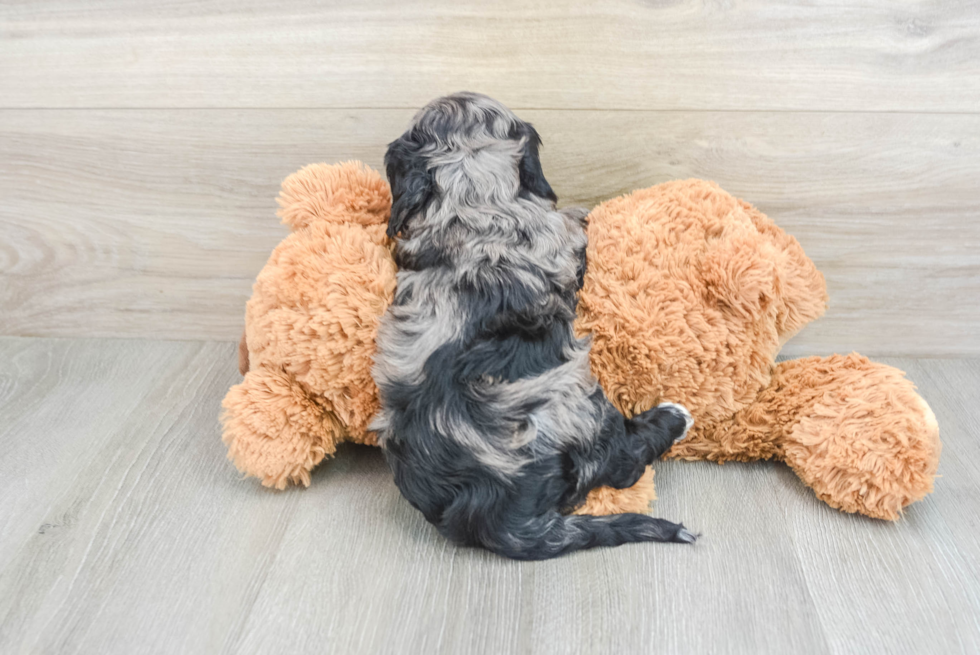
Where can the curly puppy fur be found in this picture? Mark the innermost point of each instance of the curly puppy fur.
(491, 420)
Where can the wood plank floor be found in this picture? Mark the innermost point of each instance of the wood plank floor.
(125, 530)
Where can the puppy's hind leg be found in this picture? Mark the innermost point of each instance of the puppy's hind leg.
(625, 447)
(662, 426)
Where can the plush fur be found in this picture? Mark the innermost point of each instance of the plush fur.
(688, 295)
(697, 309)
(311, 326)
(491, 420)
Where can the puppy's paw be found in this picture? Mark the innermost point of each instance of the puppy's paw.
(663, 426)
(682, 423)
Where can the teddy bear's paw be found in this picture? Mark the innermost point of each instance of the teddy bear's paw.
(680, 410)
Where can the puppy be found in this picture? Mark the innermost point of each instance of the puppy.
(491, 420)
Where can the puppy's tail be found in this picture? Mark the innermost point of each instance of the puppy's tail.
(553, 534)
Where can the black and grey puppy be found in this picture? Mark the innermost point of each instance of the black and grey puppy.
(491, 420)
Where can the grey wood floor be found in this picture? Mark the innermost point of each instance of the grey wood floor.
(125, 530)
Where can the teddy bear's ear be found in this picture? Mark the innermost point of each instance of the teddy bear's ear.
(412, 186)
(739, 275)
(801, 291)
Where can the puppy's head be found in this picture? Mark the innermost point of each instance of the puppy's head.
(467, 149)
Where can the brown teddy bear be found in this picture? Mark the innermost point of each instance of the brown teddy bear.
(689, 295)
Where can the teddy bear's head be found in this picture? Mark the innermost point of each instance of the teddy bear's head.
(689, 295)
(311, 324)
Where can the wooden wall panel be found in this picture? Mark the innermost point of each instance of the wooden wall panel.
(620, 54)
(152, 223)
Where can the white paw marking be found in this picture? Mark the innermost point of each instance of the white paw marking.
(688, 419)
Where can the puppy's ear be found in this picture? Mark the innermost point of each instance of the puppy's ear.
(411, 183)
(532, 177)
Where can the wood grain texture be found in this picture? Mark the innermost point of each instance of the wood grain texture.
(153, 223)
(624, 54)
(127, 531)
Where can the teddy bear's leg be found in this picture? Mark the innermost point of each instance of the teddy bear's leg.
(864, 440)
(274, 430)
(634, 500)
